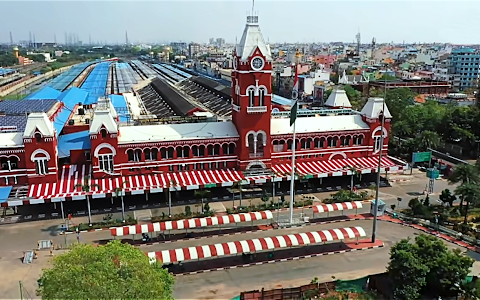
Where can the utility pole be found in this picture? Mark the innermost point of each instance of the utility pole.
(382, 114)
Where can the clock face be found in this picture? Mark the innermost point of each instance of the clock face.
(257, 63)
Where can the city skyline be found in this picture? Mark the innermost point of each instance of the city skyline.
(197, 21)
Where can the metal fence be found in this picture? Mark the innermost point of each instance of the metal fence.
(428, 224)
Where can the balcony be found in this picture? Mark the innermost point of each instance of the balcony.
(256, 155)
(236, 107)
(256, 109)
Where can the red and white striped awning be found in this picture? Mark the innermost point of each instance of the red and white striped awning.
(255, 245)
(337, 206)
(338, 167)
(192, 223)
(73, 175)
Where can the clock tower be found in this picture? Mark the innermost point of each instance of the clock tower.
(251, 98)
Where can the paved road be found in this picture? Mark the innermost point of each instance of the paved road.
(24, 236)
(229, 283)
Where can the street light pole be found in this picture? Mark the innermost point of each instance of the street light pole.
(374, 231)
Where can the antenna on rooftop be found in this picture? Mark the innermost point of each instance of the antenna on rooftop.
(253, 6)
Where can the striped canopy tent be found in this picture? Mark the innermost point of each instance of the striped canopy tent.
(255, 245)
(192, 223)
(337, 167)
(337, 207)
(73, 175)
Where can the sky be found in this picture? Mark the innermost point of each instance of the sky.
(159, 21)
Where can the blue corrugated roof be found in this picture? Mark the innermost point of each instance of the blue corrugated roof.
(4, 193)
(73, 96)
(281, 100)
(120, 106)
(73, 141)
(45, 93)
(61, 118)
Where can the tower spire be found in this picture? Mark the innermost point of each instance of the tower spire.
(253, 7)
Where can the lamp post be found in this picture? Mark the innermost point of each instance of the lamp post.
(382, 114)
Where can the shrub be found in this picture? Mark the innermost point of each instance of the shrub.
(188, 211)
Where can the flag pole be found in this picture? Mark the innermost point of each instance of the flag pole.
(292, 179)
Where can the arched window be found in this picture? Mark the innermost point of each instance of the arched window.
(216, 149)
(260, 141)
(154, 154)
(335, 141)
(195, 151)
(38, 137)
(342, 141)
(330, 142)
(277, 147)
(130, 155)
(41, 164)
(297, 143)
(9, 163)
(179, 152)
(251, 143)
(201, 150)
(103, 132)
(210, 150)
(163, 153)
(289, 145)
(170, 151)
(322, 142)
(347, 140)
(147, 154)
(186, 151)
(261, 98)
(309, 144)
(357, 139)
(225, 149)
(231, 149)
(303, 144)
(138, 155)
(251, 97)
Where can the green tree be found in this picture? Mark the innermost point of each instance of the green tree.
(86, 187)
(428, 139)
(469, 193)
(202, 195)
(356, 172)
(426, 268)
(111, 271)
(447, 197)
(464, 173)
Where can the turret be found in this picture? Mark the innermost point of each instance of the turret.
(372, 113)
(41, 157)
(103, 136)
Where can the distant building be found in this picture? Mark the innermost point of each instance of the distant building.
(24, 60)
(464, 64)
(193, 49)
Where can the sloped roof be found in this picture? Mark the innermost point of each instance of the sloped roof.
(252, 37)
(177, 102)
(318, 124)
(374, 107)
(338, 98)
(45, 93)
(73, 141)
(177, 132)
(41, 122)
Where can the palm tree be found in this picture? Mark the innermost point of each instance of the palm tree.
(463, 174)
(202, 194)
(355, 172)
(470, 193)
(86, 187)
(238, 184)
(119, 191)
(428, 139)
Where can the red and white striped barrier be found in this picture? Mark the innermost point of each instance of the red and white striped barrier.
(255, 245)
(337, 207)
(192, 223)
